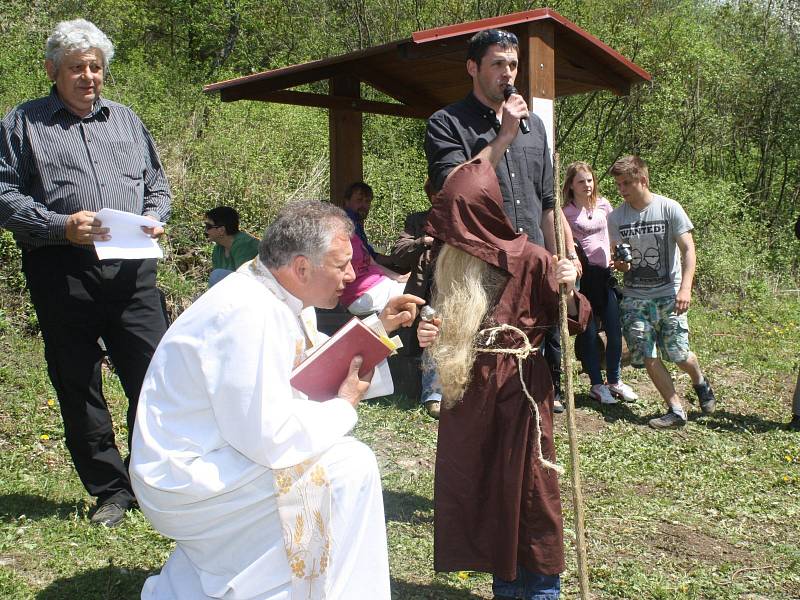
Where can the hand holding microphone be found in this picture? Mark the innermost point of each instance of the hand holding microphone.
(523, 122)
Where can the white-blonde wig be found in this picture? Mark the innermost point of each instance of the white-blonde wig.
(466, 290)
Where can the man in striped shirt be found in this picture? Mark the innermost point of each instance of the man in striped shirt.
(63, 158)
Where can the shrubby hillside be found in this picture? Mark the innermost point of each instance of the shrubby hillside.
(718, 124)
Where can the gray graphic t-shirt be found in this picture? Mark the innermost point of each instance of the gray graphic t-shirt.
(651, 232)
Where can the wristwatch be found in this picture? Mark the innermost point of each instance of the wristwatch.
(572, 256)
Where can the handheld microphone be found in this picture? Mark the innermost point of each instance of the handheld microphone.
(523, 123)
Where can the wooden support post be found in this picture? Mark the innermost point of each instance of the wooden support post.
(344, 139)
(536, 77)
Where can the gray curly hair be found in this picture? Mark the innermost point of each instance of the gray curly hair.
(304, 228)
(78, 34)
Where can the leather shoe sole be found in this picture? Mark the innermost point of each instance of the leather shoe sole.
(110, 515)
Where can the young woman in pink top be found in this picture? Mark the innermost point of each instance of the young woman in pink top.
(587, 216)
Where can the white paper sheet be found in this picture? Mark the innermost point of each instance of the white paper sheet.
(381, 384)
(127, 238)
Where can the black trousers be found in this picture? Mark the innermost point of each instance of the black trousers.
(77, 300)
(552, 354)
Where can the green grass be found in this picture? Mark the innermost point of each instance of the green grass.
(711, 511)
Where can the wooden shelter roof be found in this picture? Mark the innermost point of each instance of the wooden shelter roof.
(426, 72)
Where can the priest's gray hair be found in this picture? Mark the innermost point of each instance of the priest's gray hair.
(304, 228)
(81, 35)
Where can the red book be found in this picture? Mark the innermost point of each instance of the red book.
(320, 374)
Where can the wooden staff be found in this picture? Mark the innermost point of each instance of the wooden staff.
(577, 495)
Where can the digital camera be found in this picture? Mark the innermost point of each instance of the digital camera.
(622, 252)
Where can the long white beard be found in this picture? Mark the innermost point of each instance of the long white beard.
(466, 289)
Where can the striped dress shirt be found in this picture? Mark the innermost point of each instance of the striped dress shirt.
(54, 164)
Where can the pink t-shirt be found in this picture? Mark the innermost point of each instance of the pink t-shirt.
(590, 230)
(368, 273)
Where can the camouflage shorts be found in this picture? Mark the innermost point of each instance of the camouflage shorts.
(652, 327)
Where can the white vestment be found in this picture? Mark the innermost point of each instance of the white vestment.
(263, 491)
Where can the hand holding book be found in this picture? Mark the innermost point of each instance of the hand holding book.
(330, 366)
(355, 385)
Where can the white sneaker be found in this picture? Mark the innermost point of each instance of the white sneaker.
(600, 392)
(624, 391)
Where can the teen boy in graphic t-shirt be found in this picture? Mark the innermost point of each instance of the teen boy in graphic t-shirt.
(657, 287)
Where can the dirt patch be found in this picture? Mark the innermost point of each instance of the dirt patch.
(675, 539)
(586, 422)
(413, 465)
(395, 451)
(8, 560)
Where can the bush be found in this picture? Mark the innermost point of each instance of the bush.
(729, 257)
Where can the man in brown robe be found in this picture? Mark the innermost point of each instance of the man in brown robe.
(497, 506)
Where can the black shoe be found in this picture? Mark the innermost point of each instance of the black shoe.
(558, 406)
(109, 514)
(706, 396)
(794, 424)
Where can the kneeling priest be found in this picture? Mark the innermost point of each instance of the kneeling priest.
(264, 492)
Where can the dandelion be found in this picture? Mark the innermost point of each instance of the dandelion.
(44, 437)
(786, 478)
(463, 574)
(51, 402)
(788, 458)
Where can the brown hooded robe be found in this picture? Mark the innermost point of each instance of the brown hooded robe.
(495, 506)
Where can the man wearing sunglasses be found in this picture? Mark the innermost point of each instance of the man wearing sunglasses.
(232, 247)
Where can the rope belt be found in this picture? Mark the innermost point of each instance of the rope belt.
(521, 353)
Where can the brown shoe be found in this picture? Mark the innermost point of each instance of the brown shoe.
(433, 408)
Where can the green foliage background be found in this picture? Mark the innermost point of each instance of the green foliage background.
(718, 124)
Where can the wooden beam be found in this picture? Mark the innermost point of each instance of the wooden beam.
(576, 58)
(344, 103)
(382, 79)
(345, 138)
(245, 91)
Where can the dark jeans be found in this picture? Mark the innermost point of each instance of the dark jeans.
(590, 355)
(79, 299)
(528, 586)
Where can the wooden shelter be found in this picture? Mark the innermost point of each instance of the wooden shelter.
(427, 71)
